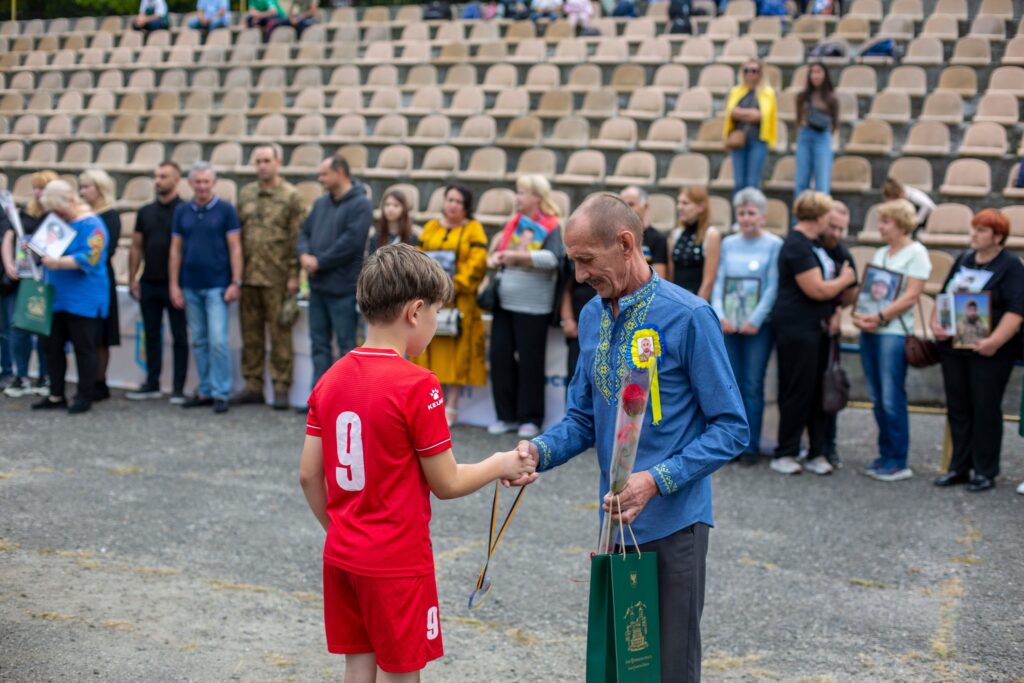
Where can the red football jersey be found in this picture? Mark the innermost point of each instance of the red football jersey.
(377, 414)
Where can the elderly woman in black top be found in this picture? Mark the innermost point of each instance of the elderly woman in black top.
(975, 378)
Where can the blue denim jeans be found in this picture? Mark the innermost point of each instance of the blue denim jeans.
(207, 315)
(885, 370)
(748, 163)
(212, 23)
(6, 329)
(813, 160)
(330, 316)
(748, 355)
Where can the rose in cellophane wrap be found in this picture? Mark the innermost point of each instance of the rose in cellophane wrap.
(629, 422)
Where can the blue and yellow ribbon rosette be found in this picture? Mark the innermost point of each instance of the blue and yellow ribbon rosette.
(644, 352)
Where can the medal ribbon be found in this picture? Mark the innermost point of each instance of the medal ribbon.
(652, 370)
(483, 585)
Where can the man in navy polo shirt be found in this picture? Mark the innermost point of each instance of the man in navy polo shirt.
(206, 275)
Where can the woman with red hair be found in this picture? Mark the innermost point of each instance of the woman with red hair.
(976, 378)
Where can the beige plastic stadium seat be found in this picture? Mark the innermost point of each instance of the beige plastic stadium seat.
(696, 51)
(1015, 214)
(696, 104)
(426, 100)
(500, 77)
(857, 79)
(432, 130)
(671, 79)
(304, 159)
(909, 79)
(855, 29)
(1011, 191)
(924, 51)
(984, 139)
(476, 131)
(667, 135)
(611, 51)
(138, 191)
(788, 51)
(686, 170)
(113, 155)
(967, 178)
(309, 126)
(948, 225)
(496, 206)
(570, 51)
(347, 100)
(616, 133)
(539, 160)
(718, 79)
(584, 78)
(523, 131)
(721, 29)
(486, 164)
(438, 163)
(569, 132)
(42, 154)
(765, 29)
(584, 167)
(511, 103)
(809, 28)
(988, 27)
(226, 156)
(12, 151)
(912, 171)
(890, 105)
(710, 137)
(871, 136)
(382, 76)
(529, 51)
(634, 168)
(646, 104)
(942, 263)
(738, 51)
(941, 26)
(1008, 79)
(897, 28)
(1014, 53)
(654, 51)
(943, 106)
(724, 180)
(542, 78)
(783, 175)
(628, 77)
(389, 129)
(599, 104)
(394, 161)
(972, 51)
(357, 156)
(851, 174)
(350, 127)
(640, 30)
(554, 104)
(383, 101)
(466, 102)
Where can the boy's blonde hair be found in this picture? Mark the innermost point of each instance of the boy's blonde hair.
(395, 275)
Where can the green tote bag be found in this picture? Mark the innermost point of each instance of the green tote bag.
(33, 309)
(623, 634)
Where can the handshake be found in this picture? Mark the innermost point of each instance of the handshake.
(518, 467)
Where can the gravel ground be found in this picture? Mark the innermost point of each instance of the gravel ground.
(146, 543)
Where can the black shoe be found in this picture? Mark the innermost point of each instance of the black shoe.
(197, 402)
(249, 397)
(281, 401)
(144, 393)
(303, 409)
(748, 459)
(79, 407)
(47, 404)
(952, 479)
(220, 405)
(100, 391)
(980, 483)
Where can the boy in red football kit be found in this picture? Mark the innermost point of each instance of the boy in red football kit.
(377, 444)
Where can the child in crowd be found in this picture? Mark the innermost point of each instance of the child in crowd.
(377, 444)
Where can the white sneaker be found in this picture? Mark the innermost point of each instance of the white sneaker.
(528, 430)
(819, 465)
(786, 465)
(1020, 489)
(500, 427)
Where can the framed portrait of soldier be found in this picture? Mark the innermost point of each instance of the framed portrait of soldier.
(881, 287)
(740, 298)
(944, 314)
(973, 312)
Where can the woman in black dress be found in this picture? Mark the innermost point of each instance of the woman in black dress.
(97, 189)
(695, 245)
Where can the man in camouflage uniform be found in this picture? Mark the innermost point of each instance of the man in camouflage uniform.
(271, 213)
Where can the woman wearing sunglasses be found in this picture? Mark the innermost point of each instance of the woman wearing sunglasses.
(751, 126)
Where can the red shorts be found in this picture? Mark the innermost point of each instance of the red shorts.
(395, 618)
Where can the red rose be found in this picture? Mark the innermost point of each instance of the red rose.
(634, 398)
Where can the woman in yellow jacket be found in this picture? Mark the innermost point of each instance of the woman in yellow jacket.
(459, 243)
(750, 113)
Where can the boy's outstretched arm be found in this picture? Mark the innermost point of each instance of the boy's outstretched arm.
(311, 477)
(448, 479)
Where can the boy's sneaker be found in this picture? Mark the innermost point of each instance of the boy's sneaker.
(41, 386)
(786, 465)
(19, 387)
(889, 473)
(501, 427)
(819, 465)
(528, 430)
(178, 399)
(220, 405)
(144, 393)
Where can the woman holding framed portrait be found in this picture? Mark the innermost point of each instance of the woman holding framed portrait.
(978, 347)
(746, 285)
(884, 313)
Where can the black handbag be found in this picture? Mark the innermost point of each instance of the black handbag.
(835, 393)
(818, 120)
(487, 299)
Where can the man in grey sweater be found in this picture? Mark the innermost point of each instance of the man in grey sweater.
(330, 249)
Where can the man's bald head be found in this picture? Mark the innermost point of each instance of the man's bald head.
(606, 216)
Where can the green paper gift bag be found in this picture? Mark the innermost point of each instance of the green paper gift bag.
(33, 309)
(623, 635)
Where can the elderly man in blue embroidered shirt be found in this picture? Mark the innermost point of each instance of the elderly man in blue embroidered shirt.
(667, 498)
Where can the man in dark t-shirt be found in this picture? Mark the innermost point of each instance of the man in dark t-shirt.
(151, 245)
(655, 245)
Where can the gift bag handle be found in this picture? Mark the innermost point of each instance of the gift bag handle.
(622, 533)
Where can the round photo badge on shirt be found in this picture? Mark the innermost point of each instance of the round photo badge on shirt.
(753, 265)
(644, 352)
